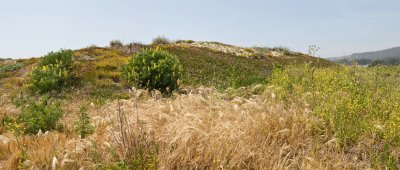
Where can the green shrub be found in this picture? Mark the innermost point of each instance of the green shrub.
(116, 44)
(53, 72)
(83, 126)
(160, 40)
(153, 69)
(41, 115)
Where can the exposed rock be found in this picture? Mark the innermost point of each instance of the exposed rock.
(276, 54)
(85, 58)
(222, 48)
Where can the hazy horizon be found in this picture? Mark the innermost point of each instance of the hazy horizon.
(33, 28)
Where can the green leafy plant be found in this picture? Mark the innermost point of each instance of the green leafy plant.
(83, 126)
(53, 73)
(153, 69)
(43, 115)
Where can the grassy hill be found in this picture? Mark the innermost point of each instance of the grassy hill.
(98, 68)
(237, 108)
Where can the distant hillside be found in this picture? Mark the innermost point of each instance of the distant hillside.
(388, 57)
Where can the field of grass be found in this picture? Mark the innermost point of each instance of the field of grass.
(231, 112)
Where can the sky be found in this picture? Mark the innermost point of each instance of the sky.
(339, 27)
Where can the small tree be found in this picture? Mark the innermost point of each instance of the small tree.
(153, 69)
(83, 126)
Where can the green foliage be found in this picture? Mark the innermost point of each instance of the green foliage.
(153, 69)
(43, 115)
(160, 40)
(52, 73)
(83, 126)
(63, 57)
(354, 102)
(234, 81)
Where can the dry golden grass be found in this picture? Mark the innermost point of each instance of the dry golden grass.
(201, 130)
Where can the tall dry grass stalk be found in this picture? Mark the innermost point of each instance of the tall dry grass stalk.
(193, 131)
(205, 131)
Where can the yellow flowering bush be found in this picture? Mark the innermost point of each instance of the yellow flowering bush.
(153, 69)
(52, 73)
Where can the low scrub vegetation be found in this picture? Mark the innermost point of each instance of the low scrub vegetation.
(285, 50)
(6, 69)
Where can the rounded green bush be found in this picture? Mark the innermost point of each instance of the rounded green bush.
(52, 73)
(43, 115)
(153, 69)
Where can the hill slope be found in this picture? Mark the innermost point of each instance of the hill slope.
(205, 64)
(303, 118)
(388, 56)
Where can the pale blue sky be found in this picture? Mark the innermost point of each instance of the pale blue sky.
(30, 28)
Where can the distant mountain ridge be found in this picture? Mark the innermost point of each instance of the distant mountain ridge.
(392, 52)
(388, 56)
